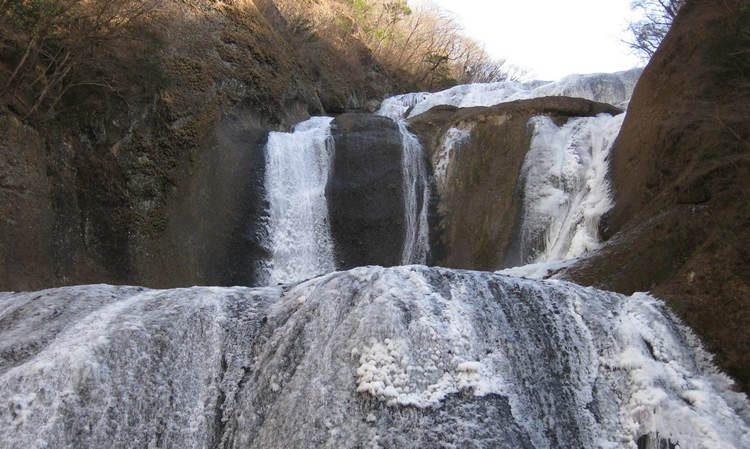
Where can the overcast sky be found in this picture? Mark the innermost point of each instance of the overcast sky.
(553, 38)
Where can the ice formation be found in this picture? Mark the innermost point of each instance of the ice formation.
(565, 186)
(612, 88)
(397, 357)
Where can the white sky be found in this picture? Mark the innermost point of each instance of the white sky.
(552, 38)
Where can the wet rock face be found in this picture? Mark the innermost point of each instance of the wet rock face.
(365, 192)
(221, 211)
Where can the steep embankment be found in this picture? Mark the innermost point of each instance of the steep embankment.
(681, 167)
(162, 186)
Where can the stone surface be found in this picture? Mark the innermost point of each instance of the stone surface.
(365, 192)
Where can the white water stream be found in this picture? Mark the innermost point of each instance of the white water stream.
(416, 198)
(297, 170)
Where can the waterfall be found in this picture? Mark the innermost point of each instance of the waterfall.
(563, 179)
(416, 198)
(297, 169)
(401, 357)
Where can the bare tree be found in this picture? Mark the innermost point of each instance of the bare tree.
(424, 43)
(70, 43)
(656, 19)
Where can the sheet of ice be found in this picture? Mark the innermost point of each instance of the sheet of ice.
(612, 88)
(447, 149)
(416, 198)
(565, 186)
(541, 270)
(297, 169)
(384, 357)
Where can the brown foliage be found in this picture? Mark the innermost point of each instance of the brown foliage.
(50, 48)
(424, 47)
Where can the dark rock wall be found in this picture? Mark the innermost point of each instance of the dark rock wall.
(215, 231)
(27, 216)
(365, 192)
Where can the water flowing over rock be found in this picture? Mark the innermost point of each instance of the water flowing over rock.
(376, 357)
(416, 198)
(333, 200)
(477, 156)
(297, 171)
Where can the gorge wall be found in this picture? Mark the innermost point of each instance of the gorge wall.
(161, 188)
(680, 167)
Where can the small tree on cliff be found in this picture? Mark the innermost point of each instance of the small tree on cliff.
(656, 19)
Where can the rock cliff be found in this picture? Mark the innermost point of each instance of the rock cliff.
(680, 170)
(365, 191)
(164, 188)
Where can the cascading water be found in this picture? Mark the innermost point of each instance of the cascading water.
(563, 179)
(416, 198)
(564, 184)
(373, 357)
(297, 169)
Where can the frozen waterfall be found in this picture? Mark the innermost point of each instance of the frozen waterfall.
(404, 357)
(563, 179)
(416, 198)
(564, 184)
(297, 169)
(400, 357)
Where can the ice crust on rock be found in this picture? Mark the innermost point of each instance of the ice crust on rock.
(565, 186)
(612, 88)
(393, 357)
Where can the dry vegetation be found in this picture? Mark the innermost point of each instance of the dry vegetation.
(50, 48)
(423, 45)
(58, 54)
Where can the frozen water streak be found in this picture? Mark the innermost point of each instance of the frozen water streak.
(398, 357)
(565, 187)
(416, 198)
